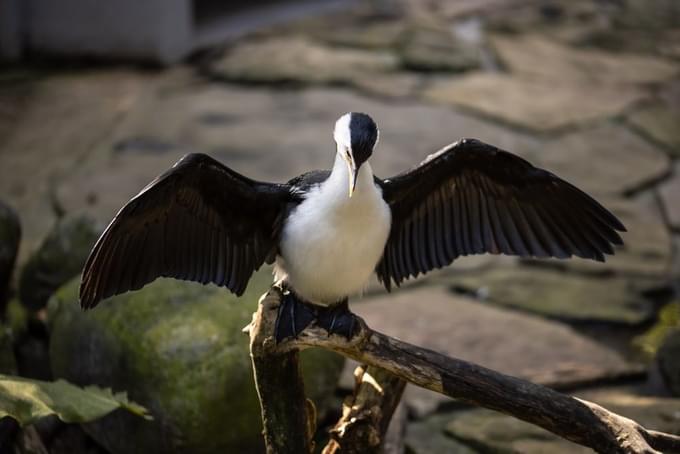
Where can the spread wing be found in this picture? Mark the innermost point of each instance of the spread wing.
(199, 221)
(471, 198)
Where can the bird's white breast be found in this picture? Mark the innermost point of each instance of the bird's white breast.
(331, 243)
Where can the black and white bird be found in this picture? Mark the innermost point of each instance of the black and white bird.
(328, 231)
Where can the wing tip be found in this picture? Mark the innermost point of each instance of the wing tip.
(87, 302)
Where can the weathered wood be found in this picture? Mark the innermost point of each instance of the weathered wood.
(366, 414)
(574, 419)
(288, 427)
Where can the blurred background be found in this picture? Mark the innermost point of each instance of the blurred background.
(97, 98)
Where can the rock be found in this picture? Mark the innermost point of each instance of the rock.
(649, 15)
(555, 294)
(370, 35)
(607, 159)
(534, 56)
(60, 257)
(434, 318)
(668, 320)
(389, 85)
(553, 86)
(494, 432)
(428, 437)
(56, 129)
(178, 349)
(659, 122)
(667, 357)
(535, 104)
(8, 364)
(10, 236)
(430, 45)
(675, 265)
(298, 59)
(466, 8)
(669, 192)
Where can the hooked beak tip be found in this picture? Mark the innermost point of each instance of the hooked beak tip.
(352, 180)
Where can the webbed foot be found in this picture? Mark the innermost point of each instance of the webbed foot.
(293, 317)
(337, 319)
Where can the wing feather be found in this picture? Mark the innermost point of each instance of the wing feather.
(471, 198)
(198, 221)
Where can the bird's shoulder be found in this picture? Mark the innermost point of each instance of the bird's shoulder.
(303, 183)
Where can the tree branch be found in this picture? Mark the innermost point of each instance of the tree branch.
(286, 412)
(367, 413)
(577, 420)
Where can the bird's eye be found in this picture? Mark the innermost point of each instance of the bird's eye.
(347, 153)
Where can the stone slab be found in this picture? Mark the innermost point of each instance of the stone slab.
(659, 122)
(555, 294)
(669, 191)
(428, 437)
(299, 59)
(536, 104)
(535, 56)
(55, 126)
(606, 159)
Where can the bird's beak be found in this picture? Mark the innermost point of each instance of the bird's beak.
(353, 173)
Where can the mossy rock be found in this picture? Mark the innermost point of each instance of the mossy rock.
(431, 46)
(8, 364)
(558, 295)
(60, 257)
(667, 359)
(668, 322)
(178, 349)
(10, 236)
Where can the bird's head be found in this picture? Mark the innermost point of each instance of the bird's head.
(356, 136)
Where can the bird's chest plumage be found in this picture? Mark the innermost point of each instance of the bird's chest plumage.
(331, 243)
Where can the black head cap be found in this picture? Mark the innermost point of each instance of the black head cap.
(363, 135)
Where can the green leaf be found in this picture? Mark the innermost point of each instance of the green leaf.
(27, 400)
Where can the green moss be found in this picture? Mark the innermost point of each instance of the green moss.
(177, 347)
(559, 295)
(669, 320)
(17, 317)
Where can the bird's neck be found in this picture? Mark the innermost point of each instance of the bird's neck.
(339, 179)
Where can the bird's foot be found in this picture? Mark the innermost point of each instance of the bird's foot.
(293, 317)
(337, 319)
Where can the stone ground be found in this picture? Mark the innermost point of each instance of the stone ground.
(589, 90)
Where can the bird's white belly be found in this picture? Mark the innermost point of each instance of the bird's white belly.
(330, 245)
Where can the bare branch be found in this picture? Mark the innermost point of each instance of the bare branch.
(286, 412)
(367, 413)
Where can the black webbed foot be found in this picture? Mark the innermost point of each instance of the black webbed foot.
(337, 319)
(293, 317)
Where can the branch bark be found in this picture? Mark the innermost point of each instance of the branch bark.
(286, 412)
(366, 414)
(577, 420)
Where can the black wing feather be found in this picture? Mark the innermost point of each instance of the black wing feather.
(483, 199)
(198, 221)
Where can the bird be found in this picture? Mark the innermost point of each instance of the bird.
(327, 232)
